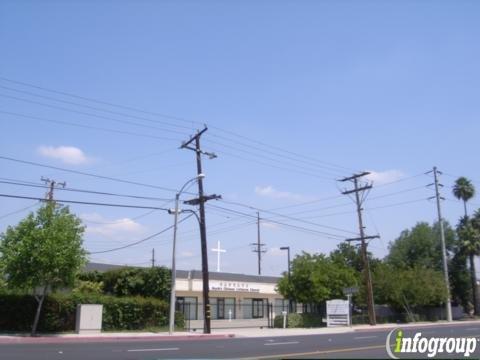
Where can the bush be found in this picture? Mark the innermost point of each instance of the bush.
(128, 281)
(59, 311)
(304, 320)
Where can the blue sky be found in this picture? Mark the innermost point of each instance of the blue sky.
(389, 87)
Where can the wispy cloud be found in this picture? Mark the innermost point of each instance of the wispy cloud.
(387, 176)
(123, 228)
(275, 251)
(66, 154)
(270, 192)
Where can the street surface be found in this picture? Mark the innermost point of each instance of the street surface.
(366, 343)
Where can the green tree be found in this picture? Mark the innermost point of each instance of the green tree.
(43, 252)
(469, 236)
(408, 289)
(463, 190)
(421, 246)
(316, 278)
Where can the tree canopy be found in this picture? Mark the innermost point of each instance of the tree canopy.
(43, 252)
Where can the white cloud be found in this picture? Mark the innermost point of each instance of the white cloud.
(187, 254)
(383, 177)
(123, 228)
(275, 251)
(271, 192)
(67, 154)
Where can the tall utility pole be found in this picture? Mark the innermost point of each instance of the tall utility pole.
(52, 184)
(259, 246)
(153, 258)
(366, 265)
(203, 230)
(448, 306)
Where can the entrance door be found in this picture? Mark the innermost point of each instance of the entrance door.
(257, 311)
(221, 308)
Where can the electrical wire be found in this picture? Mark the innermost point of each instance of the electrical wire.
(19, 183)
(84, 202)
(20, 210)
(140, 241)
(86, 174)
(91, 127)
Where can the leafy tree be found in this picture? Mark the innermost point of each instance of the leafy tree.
(421, 246)
(469, 236)
(43, 252)
(316, 278)
(463, 190)
(131, 281)
(408, 289)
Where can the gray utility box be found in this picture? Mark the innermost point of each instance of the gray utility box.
(89, 319)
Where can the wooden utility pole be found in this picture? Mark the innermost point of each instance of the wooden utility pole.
(448, 306)
(259, 246)
(363, 244)
(203, 230)
(52, 184)
(153, 258)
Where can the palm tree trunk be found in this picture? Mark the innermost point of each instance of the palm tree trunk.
(465, 208)
(473, 278)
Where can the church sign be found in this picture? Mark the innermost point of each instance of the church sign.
(232, 286)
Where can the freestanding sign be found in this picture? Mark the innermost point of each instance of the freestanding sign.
(338, 313)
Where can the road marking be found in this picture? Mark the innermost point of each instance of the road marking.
(318, 352)
(282, 343)
(472, 329)
(162, 349)
(365, 337)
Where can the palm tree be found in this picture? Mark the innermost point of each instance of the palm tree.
(463, 190)
(470, 242)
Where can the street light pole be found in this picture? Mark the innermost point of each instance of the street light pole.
(171, 327)
(288, 259)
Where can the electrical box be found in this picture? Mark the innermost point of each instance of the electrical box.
(89, 319)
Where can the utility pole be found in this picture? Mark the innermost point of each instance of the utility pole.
(203, 231)
(259, 246)
(448, 306)
(153, 258)
(366, 265)
(51, 184)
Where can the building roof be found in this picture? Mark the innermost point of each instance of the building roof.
(92, 266)
(192, 274)
(197, 274)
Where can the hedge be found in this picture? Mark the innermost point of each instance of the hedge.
(304, 320)
(59, 311)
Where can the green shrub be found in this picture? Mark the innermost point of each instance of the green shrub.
(59, 311)
(295, 320)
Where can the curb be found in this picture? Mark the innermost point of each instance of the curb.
(99, 339)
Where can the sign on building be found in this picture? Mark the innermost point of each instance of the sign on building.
(338, 313)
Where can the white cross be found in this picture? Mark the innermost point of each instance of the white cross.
(218, 251)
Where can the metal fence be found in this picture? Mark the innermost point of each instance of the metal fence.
(228, 314)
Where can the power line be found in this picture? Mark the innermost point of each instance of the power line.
(288, 217)
(95, 108)
(90, 114)
(20, 210)
(326, 234)
(296, 155)
(91, 127)
(260, 154)
(19, 183)
(85, 173)
(140, 241)
(84, 202)
(98, 101)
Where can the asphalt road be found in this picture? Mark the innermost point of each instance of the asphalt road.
(359, 344)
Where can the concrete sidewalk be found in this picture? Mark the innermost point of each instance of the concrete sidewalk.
(216, 333)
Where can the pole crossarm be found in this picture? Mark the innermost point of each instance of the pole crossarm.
(355, 176)
(204, 199)
(364, 238)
